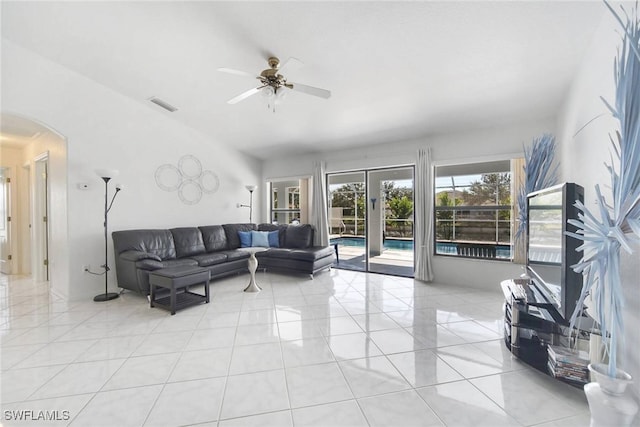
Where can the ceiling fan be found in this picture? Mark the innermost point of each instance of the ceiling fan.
(273, 84)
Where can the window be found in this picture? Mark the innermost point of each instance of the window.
(289, 201)
(473, 210)
(293, 196)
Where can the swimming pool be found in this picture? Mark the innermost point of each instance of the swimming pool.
(502, 251)
(403, 245)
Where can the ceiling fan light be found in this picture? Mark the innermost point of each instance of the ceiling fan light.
(280, 94)
(268, 92)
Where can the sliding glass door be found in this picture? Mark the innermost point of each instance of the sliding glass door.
(371, 220)
(347, 219)
(390, 219)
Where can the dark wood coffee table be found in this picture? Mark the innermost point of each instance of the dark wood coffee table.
(178, 279)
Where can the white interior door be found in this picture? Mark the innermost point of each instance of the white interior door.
(5, 221)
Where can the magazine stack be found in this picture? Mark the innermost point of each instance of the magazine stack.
(568, 365)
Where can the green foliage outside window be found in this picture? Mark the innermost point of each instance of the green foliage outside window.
(483, 211)
(398, 208)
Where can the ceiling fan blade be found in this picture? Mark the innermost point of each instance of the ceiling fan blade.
(291, 63)
(310, 90)
(244, 95)
(236, 72)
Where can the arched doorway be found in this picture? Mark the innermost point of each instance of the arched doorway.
(35, 156)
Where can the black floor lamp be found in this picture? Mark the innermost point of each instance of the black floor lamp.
(106, 175)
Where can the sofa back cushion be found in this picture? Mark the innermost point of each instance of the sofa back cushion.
(273, 239)
(260, 238)
(299, 236)
(214, 237)
(156, 242)
(231, 230)
(246, 238)
(188, 241)
(280, 228)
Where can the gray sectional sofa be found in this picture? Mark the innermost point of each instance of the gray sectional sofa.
(216, 247)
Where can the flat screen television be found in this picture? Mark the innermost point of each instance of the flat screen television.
(550, 252)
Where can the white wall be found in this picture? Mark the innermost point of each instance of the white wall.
(104, 129)
(456, 147)
(584, 155)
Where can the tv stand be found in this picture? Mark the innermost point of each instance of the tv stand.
(531, 323)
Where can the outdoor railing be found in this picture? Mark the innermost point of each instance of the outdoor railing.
(487, 250)
(356, 227)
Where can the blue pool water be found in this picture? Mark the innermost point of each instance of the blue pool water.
(502, 251)
(404, 245)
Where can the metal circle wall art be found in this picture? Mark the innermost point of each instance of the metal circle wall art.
(168, 177)
(209, 182)
(188, 179)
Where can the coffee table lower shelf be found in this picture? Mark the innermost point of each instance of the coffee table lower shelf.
(183, 300)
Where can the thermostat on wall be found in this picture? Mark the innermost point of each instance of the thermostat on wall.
(84, 186)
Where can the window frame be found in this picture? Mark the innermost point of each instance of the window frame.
(470, 169)
(293, 215)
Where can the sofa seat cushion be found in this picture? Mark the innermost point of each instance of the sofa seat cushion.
(274, 253)
(310, 254)
(236, 255)
(210, 259)
(179, 262)
(151, 264)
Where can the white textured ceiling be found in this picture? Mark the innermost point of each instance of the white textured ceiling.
(397, 70)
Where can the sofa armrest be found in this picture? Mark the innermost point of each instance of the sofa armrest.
(138, 255)
(149, 264)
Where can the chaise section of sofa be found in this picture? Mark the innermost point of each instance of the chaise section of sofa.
(296, 252)
(215, 247)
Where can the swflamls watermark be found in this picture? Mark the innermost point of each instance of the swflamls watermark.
(31, 415)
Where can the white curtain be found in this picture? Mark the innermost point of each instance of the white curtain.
(423, 211)
(319, 208)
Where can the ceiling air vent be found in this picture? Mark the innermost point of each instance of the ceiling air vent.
(159, 102)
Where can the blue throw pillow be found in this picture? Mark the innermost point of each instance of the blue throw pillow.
(245, 239)
(274, 239)
(260, 238)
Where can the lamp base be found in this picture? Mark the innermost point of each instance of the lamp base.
(105, 297)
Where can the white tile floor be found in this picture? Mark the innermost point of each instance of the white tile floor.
(345, 349)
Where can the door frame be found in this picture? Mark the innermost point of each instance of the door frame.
(25, 231)
(41, 234)
(368, 205)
